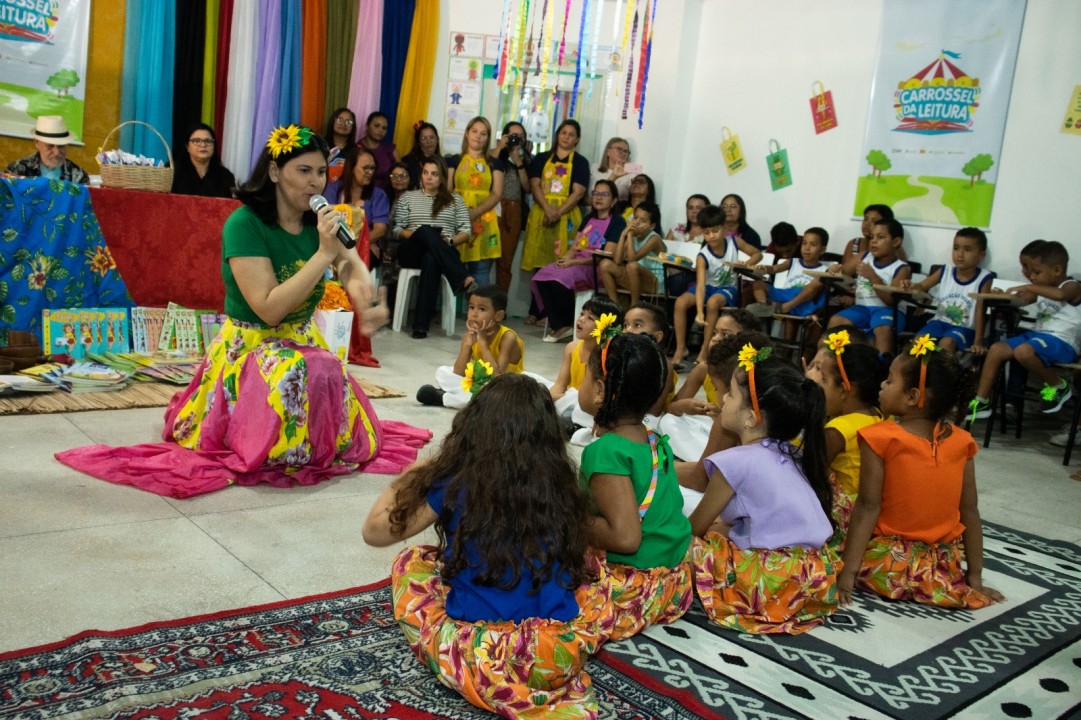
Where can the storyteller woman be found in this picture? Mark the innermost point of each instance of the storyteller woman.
(270, 403)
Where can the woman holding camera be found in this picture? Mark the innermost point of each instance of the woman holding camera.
(513, 150)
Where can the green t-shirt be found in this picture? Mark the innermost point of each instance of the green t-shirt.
(666, 532)
(245, 235)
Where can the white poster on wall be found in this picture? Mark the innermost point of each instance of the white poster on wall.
(43, 47)
(939, 97)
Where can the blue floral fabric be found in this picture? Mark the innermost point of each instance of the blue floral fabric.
(52, 254)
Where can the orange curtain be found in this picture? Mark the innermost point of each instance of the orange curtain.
(419, 71)
(313, 64)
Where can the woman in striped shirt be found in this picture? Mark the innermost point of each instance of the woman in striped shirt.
(430, 223)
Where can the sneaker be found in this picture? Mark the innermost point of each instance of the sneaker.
(760, 310)
(1062, 437)
(978, 410)
(430, 395)
(1054, 397)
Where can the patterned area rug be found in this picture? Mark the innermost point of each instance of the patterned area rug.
(139, 395)
(341, 655)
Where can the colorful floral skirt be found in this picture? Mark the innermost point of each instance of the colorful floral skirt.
(544, 243)
(651, 596)
(902, 569)
(787, 590)
(529, 669)
(843, 504)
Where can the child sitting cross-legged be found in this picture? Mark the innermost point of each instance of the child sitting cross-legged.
(486, 340)
(507, 607)
(850, 374)
(631, 477)
(688, 419)
(765, 565)
(573, 368)
(647, 319)
(1056, 338)
(916, 513)
(959, 318)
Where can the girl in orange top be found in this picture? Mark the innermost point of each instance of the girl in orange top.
(916, 512)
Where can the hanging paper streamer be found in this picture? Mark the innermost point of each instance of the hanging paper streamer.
(543, 43)
(613, 68)
(501, 62)
(645, 71)
(563, 37)
(598, 17)
(581, 51)
(630, 68)
(642, 57)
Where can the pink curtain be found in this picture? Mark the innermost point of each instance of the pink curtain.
(364, 81)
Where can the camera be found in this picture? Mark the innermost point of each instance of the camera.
(514, 140)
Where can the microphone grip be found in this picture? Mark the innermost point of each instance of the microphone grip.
(345, 237)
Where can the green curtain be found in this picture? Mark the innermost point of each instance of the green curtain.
(341, 39)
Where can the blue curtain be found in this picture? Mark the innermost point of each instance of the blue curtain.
(149, 55)
(397, 27)
(289, 98)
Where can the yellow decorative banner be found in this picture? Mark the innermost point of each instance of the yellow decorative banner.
(1072, 123)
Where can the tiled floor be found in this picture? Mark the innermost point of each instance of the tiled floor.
(78, 553)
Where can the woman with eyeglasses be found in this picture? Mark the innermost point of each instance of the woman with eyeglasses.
(735, 221)
(554, 285)
(199, 170)
(341, 137)
(614, 159)
(370, 204)
(558, 180)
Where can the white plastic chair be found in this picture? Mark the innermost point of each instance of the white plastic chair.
(406, 276)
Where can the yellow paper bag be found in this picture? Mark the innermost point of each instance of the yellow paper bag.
(732, 151)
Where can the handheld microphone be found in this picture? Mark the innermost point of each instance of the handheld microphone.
(345, 235)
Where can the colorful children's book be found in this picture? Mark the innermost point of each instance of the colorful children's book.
(80, 331)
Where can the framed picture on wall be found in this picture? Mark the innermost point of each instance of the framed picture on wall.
(463, 44)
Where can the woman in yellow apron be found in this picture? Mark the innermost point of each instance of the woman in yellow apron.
(558, 180)
(478, 178)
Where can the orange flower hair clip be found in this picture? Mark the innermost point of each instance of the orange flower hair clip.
(922, 348)
(837, 342)
(749, 356)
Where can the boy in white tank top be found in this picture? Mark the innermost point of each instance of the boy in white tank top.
(959, 319)
(873, 311)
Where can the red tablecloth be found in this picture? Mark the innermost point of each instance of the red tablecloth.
(167, 247)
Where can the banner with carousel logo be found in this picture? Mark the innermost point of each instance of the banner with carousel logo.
(939, 98)
(43, 45)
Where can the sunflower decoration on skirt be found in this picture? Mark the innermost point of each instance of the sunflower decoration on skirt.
(477, 374)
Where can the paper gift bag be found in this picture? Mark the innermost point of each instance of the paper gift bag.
(822, 110)
(780, 174)
(335, 326)
(732, 151)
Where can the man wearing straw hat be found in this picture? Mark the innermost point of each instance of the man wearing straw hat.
(51, 136)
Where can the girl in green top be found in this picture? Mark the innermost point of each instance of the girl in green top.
(630, 474)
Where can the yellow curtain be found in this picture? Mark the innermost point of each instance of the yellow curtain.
(419, 70)
(210, 61)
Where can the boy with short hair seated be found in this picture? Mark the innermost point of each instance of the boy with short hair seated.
(630, 266)
(715, 286)
(1056, 338)
(873, 310)
(793, 291)
(958, 321)
(487, 340)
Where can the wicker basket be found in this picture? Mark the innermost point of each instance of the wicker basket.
(137, 177)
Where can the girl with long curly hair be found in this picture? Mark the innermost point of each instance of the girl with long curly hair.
(509, 575)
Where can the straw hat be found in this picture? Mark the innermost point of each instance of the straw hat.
(53, 130)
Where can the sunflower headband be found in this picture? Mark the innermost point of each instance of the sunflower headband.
(922, 349)
(286, 139)
(837, 342)
(477, 375)
(748, 358)
(603, 333)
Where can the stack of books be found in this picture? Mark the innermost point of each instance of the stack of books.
(172, 367)
(12, 384)
(81, 377)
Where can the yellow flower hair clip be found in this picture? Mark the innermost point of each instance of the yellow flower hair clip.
(749, 356)
(286, 139)
(921, 348)
(837, 342)
(606, 329)
(477, 374)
